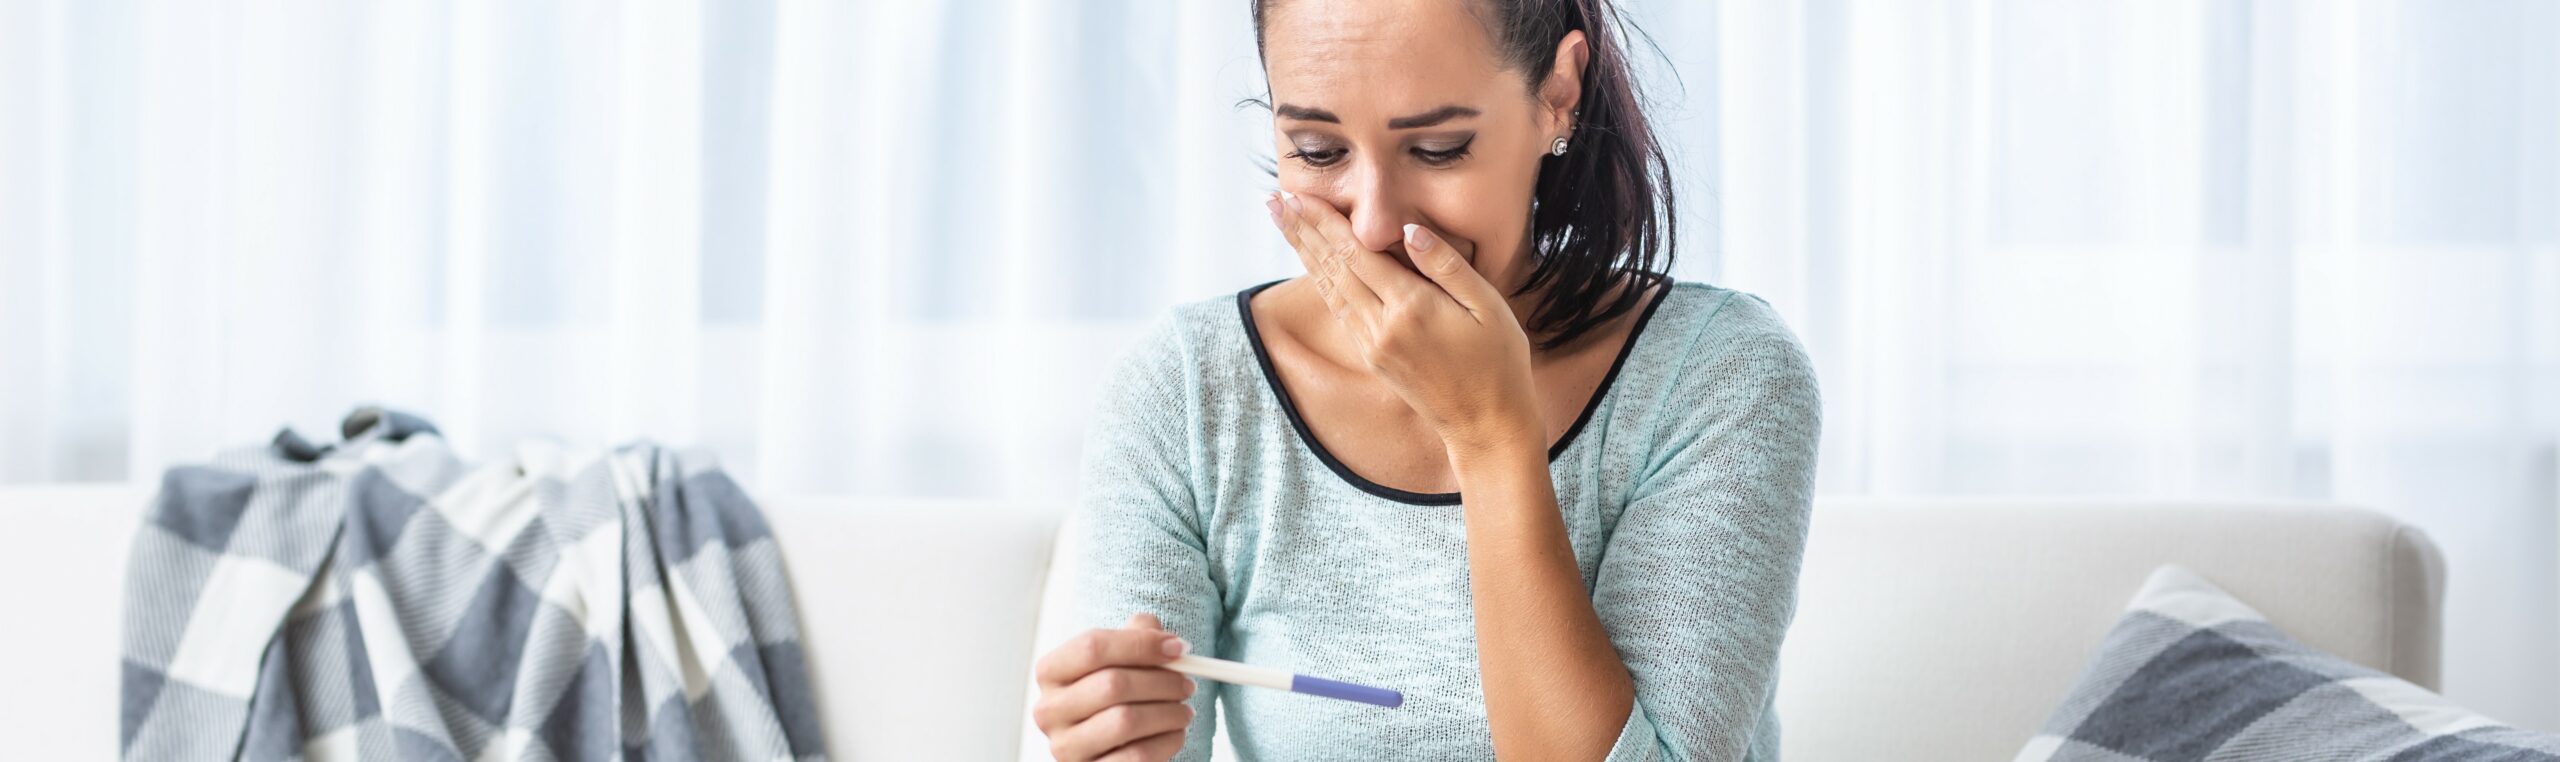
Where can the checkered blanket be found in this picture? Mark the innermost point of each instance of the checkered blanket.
(2191, 673)
(387, 601)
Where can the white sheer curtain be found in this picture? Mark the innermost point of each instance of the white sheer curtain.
(2297, 249)
(2304, 249)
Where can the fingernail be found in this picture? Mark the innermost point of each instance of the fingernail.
(1175, 647)
(1274, 205)
(1418, 239)
(1291, 200)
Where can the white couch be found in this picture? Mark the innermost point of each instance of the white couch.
(1926, 630)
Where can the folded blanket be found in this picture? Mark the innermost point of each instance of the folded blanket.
(384, 600)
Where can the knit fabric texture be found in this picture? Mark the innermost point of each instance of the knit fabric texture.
(1685, 493)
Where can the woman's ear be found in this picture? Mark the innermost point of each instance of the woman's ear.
(1562, 92)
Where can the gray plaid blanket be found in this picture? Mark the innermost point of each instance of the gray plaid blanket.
(2191, 673)
(387, 601)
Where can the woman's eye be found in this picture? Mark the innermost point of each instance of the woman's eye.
(1317, 158)
(1442, 157)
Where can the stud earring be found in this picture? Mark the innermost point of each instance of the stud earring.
(1557, 149)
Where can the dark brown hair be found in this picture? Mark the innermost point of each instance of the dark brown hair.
(1603, 209)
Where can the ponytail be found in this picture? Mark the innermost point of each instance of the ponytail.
(1603, 209)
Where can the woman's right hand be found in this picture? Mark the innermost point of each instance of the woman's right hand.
(1105, 695)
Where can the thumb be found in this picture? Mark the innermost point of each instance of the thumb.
(1444, 264)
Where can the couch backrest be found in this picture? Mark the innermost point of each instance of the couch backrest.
(918, 617)
(1924, 629)
(62, 576)
(1948, 629)
(920, 613)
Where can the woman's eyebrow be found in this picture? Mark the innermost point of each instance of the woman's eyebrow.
(1435, 116)
(1304, 114)
(1426, 119)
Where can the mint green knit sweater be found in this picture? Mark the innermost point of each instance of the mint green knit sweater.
(1685, 489)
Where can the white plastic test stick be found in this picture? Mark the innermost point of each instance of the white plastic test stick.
(1235, 673)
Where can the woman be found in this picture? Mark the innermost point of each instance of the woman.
(1484, 453)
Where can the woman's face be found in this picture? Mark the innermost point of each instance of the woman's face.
(1401, 111)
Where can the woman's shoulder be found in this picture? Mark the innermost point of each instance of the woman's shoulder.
(1217, 318)
(1725, 364)
(1716, 337)
(1188, 347)
(1199, 332)
(1719, 312)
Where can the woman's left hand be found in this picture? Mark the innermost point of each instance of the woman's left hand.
(1444, 339)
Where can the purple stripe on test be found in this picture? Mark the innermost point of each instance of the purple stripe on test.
(1317, 686)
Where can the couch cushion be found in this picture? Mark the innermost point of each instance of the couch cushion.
(2191, 673)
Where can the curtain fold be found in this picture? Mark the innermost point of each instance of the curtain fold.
(2277, 249)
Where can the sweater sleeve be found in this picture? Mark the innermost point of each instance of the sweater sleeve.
(1139, 526)
(1698, 583)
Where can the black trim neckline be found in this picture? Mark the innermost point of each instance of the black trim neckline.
(1271, 378)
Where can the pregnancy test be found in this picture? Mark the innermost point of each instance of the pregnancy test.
(1236, 673)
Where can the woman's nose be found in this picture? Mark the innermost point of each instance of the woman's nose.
(1378, 218)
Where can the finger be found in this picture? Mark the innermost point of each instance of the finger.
(1321, 224)
(1319, 274)
(1340, 249)
(1096, 649)
(1447, 266)
(1144, 621)
(1155, 748)
(1117, 726)
(1388, 278)
(1112, 686)
(1377, 272)
(1324, 271)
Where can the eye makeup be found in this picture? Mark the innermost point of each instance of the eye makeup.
(1439, 151)
(1444, 154)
